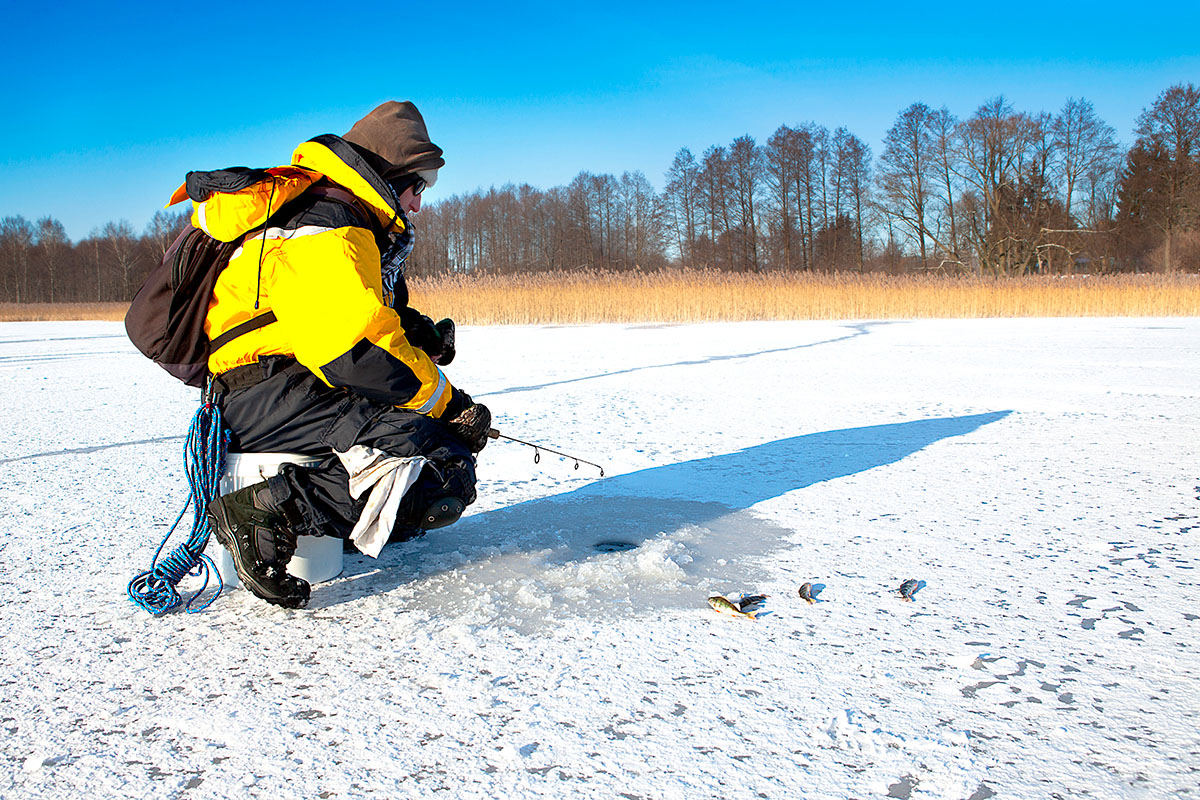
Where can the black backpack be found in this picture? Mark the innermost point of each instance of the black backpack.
(165, 321)
(166, 318)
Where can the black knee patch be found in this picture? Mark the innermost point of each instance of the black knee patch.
(442, 513)
(437, 499)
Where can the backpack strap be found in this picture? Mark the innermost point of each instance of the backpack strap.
(340, 195)
(254, 324)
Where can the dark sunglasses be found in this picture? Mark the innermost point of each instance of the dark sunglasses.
(414, 183)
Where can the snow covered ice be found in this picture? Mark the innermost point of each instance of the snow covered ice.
(1039, 476)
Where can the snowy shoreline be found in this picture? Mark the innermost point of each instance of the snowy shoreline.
(1038, 475)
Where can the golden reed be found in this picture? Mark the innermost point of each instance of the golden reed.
(25, 312)
(700, 296)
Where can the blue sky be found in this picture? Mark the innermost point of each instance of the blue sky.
(105, 109)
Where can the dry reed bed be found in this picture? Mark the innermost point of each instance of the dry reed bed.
(25, 312)
(699, 296)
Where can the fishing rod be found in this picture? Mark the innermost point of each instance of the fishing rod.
(537, 450)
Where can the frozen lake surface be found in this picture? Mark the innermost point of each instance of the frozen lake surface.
(1038, 476)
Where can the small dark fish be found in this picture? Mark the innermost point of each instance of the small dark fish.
(909, 588)
(806, 593)
(751, 600)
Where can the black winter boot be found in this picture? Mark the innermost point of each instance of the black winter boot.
(249, 525)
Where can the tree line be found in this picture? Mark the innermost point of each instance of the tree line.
(1002, 192)
(40, 264)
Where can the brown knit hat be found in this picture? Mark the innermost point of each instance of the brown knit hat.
(395, 131)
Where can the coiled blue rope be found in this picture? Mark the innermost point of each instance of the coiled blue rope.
(204, 463)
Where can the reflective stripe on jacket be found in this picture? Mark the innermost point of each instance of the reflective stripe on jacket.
(316, 266)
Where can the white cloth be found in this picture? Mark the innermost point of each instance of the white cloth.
(388, 478)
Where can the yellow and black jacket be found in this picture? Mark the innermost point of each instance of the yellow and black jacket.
(306, 281)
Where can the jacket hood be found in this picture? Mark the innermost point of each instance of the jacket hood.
(395, 132)
(342, 163)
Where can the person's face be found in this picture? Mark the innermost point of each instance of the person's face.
(409, 202)
(410, 198)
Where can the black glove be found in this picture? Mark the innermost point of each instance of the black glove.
(446, 329)
(436, 340)
(420, 331)
(471, 423)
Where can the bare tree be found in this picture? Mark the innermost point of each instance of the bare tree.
(996, 146)
(163, 228)
(123, 247)
(682, 198)
(16, 244)
(582, 211)
(1083, 145)
(808, 140)
(606, 191)
(942, 125)
(780, 168)
(904, 172)
(854, 164)
(54, 248)
(1044, 224)
(745, 169)
(715, 187)
(791, 172)
(1099, 191)
(849, 189)
(822, 163)
(643, 214)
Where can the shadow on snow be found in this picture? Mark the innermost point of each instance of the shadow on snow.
(700, 502)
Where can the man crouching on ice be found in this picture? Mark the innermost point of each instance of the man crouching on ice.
(315, 351)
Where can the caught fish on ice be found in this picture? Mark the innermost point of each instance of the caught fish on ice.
(723, 605)
(748, 601)
(806, 593)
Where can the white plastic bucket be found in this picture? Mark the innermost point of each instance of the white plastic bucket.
(318, 558)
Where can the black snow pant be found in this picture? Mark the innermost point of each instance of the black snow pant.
(278, 405)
